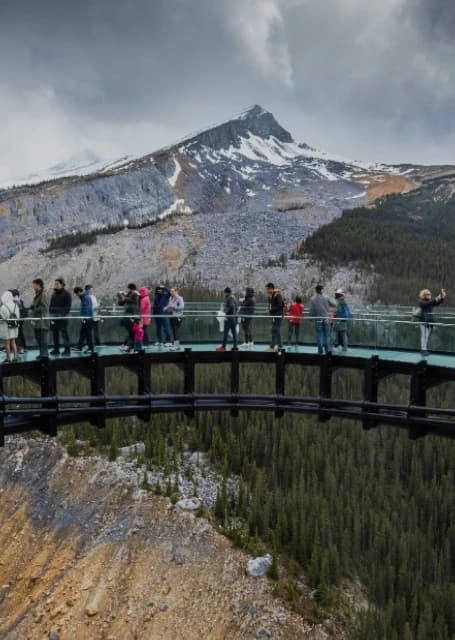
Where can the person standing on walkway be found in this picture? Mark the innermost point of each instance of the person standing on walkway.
(96, 318)
(231, 310)
(129, 300)
(294, 316)
(276, 310)
(145, 312)
(23, 313)
(59, 308)
(138, 333)
(175, 307)
(320, 306)
(9, 325)
(340, 323)
(427, 304)
(86, 315)
(247, 309)
(40, 314)
(160, 302)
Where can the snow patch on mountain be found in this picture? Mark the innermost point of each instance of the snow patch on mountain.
(174, 177)
(83, 163)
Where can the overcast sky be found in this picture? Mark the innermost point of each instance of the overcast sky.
(369, 80)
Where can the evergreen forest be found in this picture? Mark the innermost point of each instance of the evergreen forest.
(407, 240)
(337, 505)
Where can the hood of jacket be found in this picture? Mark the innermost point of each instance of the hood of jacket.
(143, 291)
(7, 300)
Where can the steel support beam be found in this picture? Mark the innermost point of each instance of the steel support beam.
(97, 388)
(189, 378)
(48, 385)
(370, 388)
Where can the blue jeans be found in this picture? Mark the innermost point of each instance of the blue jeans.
(42, 339)
(230, 324)
(323, 336)
(276, 331)
(162, 324)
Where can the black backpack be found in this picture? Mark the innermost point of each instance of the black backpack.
(13, 321)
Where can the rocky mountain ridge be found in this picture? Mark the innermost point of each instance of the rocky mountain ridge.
(245, 192)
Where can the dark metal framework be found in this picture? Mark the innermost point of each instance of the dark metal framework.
(49, 410)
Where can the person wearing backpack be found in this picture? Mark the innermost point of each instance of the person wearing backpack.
(21, 342)
(9, 325)
(231, 310)
(340, 325)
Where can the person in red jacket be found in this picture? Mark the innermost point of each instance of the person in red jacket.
(294, 316)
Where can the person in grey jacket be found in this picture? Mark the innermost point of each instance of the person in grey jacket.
(427, 304)
(320, 305)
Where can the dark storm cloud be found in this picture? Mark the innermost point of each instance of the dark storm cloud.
(372, 79)
(113, 58)
(435, 18)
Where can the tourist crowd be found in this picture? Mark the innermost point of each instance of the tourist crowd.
(165, 307)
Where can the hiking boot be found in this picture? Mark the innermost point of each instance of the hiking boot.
(66, 352)
(220, 348)
(54, 352)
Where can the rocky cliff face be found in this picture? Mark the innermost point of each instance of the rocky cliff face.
(79, 204)
(87, 554)
(248, 194)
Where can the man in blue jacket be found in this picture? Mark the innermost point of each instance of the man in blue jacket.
(160, 301)
(86, 315)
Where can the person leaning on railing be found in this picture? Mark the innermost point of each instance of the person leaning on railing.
(426, 305)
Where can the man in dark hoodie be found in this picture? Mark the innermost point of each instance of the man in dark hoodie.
(231, 309)
(276, 309)
(247, 309)
(59, 308)
(160, 301)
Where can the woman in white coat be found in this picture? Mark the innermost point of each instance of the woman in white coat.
(9, 325)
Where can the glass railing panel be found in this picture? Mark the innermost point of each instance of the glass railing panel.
(366, 330)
